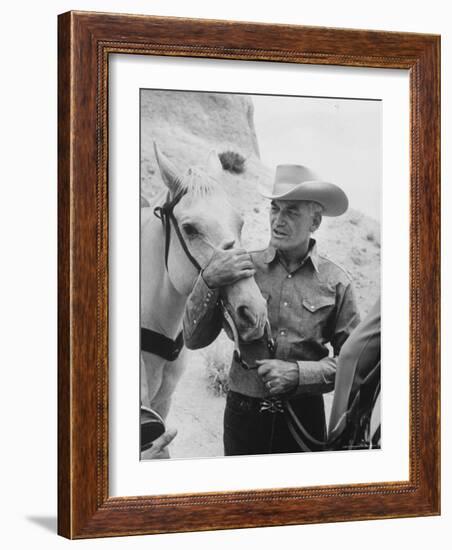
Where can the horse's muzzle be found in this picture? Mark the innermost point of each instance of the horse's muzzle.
(249, 326)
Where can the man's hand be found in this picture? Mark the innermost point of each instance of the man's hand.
(278, 376)
(159, 446)
(227, 267)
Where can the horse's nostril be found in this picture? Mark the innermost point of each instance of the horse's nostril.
(246, 315)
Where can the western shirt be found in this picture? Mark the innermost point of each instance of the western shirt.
(311, 310)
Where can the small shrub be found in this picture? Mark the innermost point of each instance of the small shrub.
(218, 361)
(232, 162)
(217, 376)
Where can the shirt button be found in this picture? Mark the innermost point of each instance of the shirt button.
(282, 332)
(194, 321)
(286, 303)
(289, 276)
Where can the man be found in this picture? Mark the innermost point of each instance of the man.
(310, 304)
(355, 413)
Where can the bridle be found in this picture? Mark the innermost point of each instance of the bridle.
(170, 349)
(152, 341)
(160, 344)
(166, 214)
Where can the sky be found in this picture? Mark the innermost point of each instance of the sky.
(339, 139)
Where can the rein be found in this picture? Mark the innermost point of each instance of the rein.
(359, 437)
(168, 349)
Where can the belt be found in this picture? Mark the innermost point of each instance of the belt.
(256, 404)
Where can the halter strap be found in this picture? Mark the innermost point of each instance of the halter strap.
(166, 215)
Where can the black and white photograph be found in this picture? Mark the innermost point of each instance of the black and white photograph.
(259, 274)
(224, 235)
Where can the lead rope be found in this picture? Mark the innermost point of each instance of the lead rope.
(296, 428)
(294, 423)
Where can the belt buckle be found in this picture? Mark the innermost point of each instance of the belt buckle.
(272, 406)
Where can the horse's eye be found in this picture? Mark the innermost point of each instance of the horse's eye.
(189, 229)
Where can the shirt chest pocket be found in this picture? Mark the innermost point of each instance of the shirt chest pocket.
(317, 316)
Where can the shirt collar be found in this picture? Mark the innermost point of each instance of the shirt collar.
(313, 255)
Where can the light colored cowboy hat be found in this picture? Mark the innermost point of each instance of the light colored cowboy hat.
(298, 183)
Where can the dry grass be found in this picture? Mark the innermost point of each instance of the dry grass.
(218, 361)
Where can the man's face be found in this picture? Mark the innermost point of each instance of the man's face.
(291, 224)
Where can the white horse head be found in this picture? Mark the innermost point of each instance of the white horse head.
(207, 220)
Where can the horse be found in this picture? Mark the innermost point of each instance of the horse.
(197, 217)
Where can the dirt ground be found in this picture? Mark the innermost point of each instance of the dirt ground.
(197, 413)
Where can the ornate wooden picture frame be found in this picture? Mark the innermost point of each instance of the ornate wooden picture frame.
(86, 40)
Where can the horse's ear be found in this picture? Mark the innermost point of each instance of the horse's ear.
(213, 164)
(168, 171)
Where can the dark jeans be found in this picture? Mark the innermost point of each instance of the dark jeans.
(247, 431)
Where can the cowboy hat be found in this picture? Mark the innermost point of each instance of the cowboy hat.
(298, 183)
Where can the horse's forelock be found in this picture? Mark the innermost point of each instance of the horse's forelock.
(198, 183)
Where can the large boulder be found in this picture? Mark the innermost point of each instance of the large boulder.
(187, 125)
